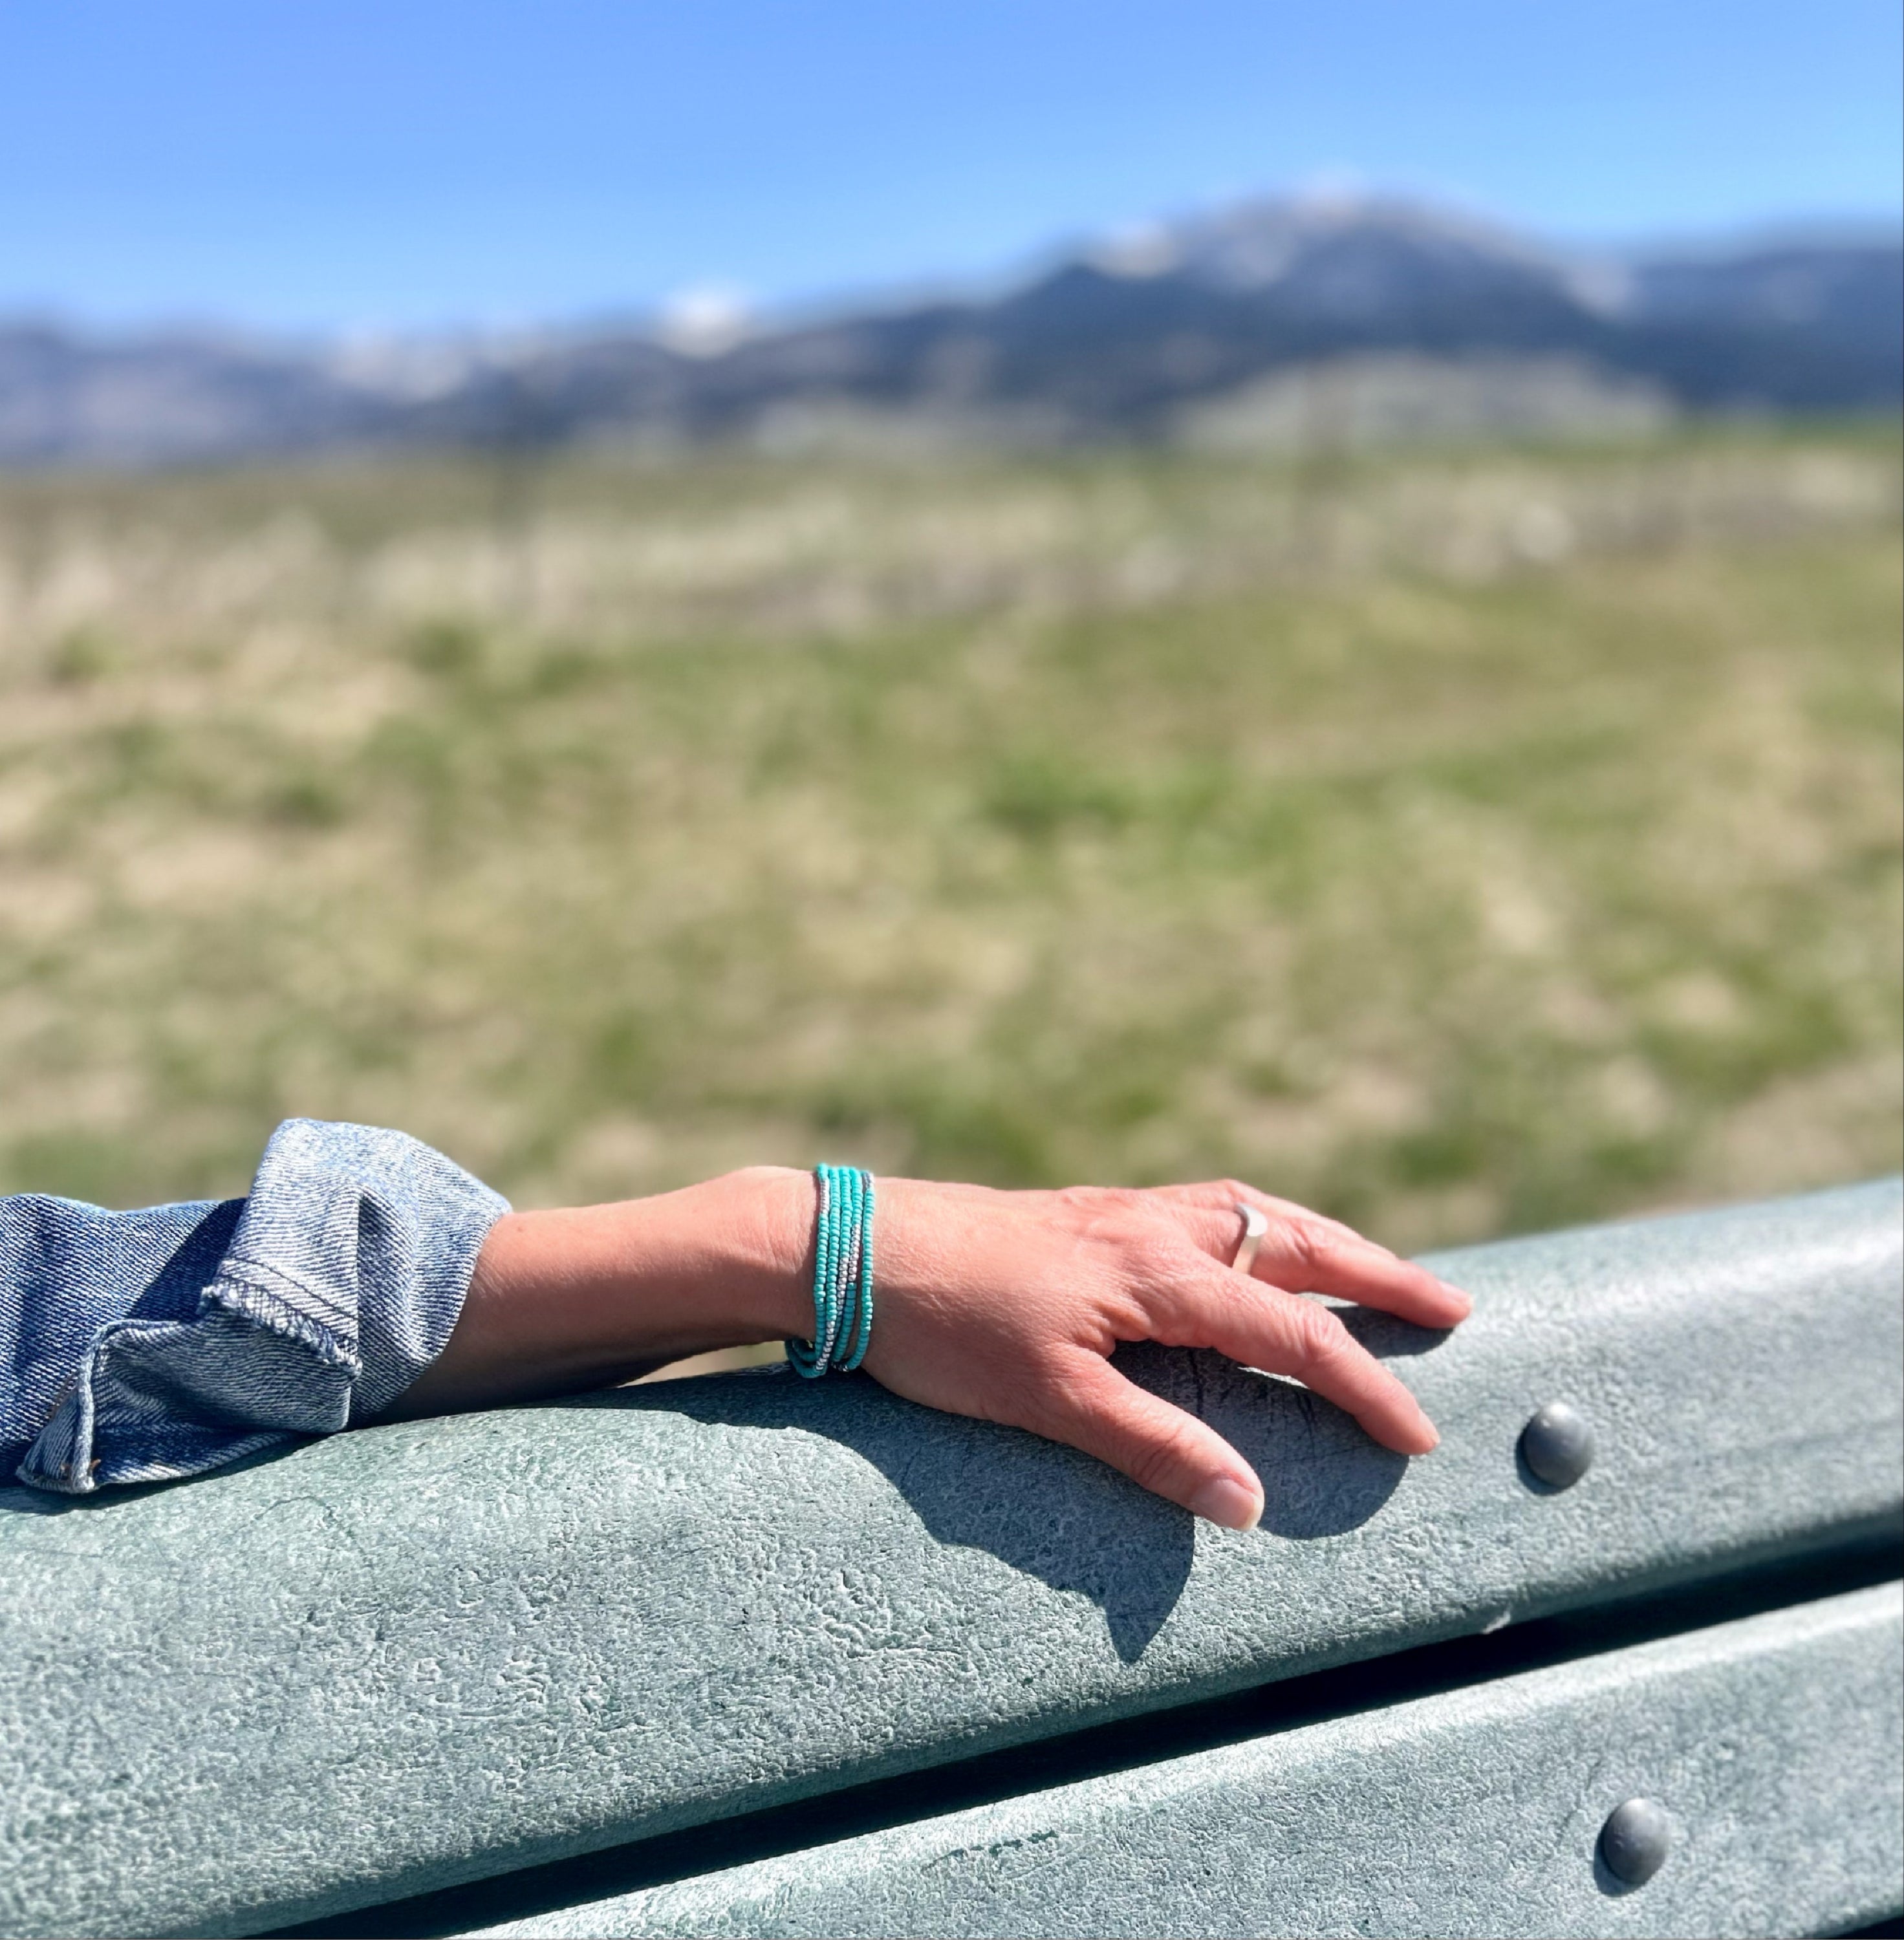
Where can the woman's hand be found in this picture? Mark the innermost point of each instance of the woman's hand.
(1003, 1305)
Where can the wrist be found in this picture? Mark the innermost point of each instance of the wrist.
(725, 1263)
(753, 1249)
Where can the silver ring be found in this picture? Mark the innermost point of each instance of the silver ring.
(1254, 1227)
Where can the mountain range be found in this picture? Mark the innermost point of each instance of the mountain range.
(1271, 321)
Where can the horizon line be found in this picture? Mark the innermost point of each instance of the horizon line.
(1842, 229)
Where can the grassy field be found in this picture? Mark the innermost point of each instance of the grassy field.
(1464, 843)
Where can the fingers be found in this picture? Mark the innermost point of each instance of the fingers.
(1092, 1406)
(1313, 1259)
(1263, 1327)
(1306, 1253)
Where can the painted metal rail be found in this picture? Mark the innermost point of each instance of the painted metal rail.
(1771, 1746)
(446, 1652)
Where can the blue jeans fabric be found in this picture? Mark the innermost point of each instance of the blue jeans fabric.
(139, 1347)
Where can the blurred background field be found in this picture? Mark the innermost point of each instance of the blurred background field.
(1463, 840)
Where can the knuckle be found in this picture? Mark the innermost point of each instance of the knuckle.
(1159, 1458)
(1042, 1395)
(1094, 1202)
(1122, 1217)
(1320, 1337)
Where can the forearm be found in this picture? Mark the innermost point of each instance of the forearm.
(1006, 1306)
(566, 1299)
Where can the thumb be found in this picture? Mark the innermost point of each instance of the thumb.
(1091, 1406)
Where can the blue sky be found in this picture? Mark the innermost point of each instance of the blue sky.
(315, 164)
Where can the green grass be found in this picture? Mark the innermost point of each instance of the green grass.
(1103, 819)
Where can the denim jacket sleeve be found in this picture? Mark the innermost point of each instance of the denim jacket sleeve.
(139, 1347)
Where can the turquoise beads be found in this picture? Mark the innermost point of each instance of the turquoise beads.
(842, 1274)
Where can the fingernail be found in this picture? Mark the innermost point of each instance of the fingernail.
(1228, 1503)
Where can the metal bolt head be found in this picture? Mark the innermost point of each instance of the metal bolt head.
(1557, 1445)
(1634, 1841)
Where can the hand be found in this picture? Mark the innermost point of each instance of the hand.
(1003, 1305)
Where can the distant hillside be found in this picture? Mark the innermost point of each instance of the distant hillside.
(1275, 322)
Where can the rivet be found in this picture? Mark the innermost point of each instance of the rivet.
(1634, 1840)
(1557, 1445)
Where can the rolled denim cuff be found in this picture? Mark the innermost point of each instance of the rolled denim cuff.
(345, 1274)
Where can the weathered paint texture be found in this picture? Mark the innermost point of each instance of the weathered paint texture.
(418, 1654)
(1772, 1745)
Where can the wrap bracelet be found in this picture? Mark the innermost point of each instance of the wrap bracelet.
(842, 1274)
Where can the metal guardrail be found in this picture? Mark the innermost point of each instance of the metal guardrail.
(445, 1651)
(1771, 1747)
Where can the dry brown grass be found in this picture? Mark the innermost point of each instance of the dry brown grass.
(1464, 844)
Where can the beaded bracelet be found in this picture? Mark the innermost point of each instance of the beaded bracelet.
(842, 1274)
